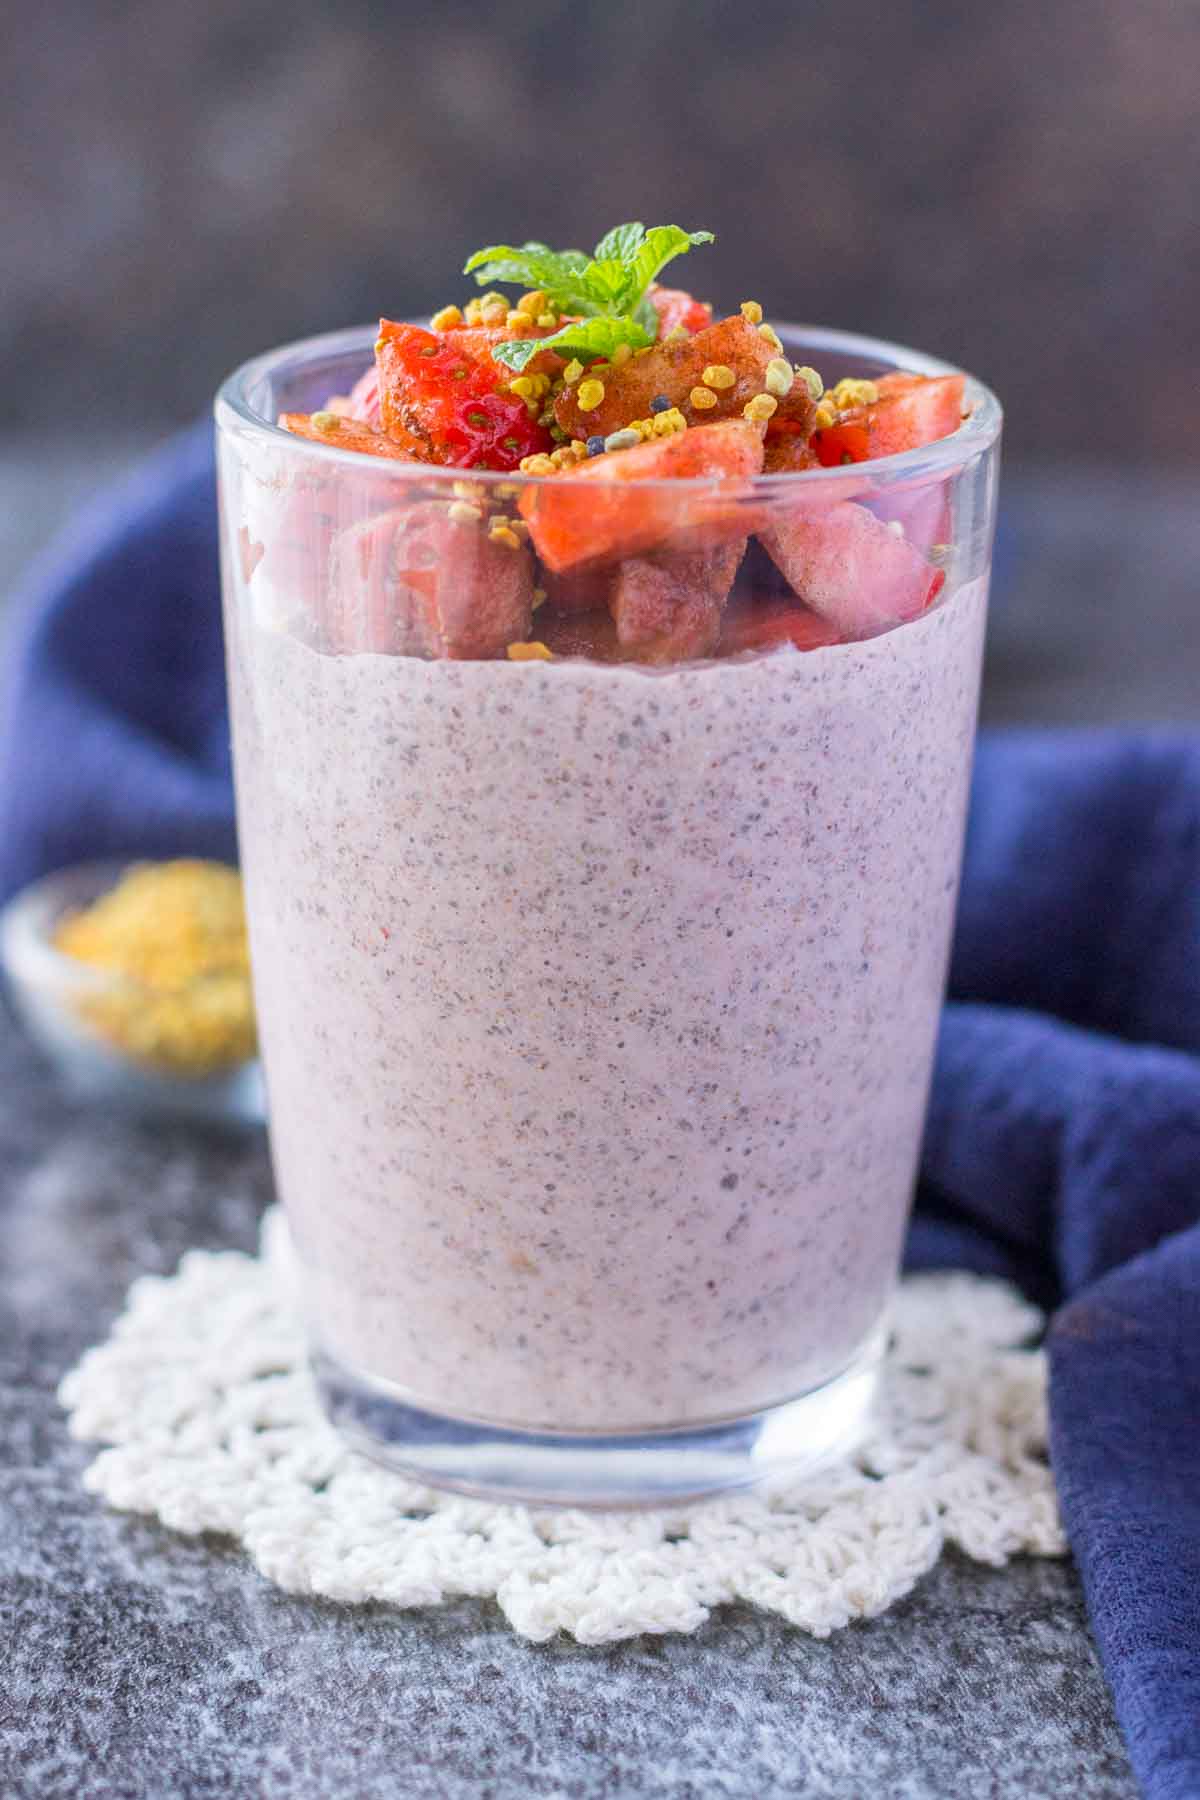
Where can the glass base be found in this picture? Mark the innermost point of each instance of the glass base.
(647, 1468)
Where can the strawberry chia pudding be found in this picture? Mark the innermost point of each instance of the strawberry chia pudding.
(601, 796)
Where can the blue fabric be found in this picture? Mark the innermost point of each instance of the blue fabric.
(1063, 1147)
(114, 737)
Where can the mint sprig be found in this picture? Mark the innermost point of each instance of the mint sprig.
(586, 340)
(606, 291)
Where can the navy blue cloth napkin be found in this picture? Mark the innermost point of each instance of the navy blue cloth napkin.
(1063, 1147)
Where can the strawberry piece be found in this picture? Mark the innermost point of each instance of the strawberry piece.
(667, 607)
(342, 433)
(676, 307)
(418, 582)
(849, 441)
(911, 410)
(625, 502)
(850, 568)
(476, 343)
(673, 369)
(766, 624)
(453, 397)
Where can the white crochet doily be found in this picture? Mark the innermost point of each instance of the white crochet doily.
(203, 1394)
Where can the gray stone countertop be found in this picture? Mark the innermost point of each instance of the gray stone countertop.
(138, 1663)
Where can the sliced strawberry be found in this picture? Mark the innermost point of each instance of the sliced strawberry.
(626, 502)
(668, 607)
(342, 433)
(676, 307)
(476, 343)
(418, 582)
(765, 624)
(911, 410)
(672, 369)
(453, 398)
(850, 567)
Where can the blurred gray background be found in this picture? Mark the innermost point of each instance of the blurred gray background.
(1012, 187)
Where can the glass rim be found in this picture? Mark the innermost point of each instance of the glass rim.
(978, 432)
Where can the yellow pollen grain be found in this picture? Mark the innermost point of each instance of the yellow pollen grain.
(850, 393)
(769, 335)
(666, 424)
(811, 380)
(591, 393)
(719, 375)
(621, 355)
(779, 377)
(539, 598)
(823, 418)
(522, 385)
(326, 421)
(751, 311)
(464, 513)
(538, 464)
(702, 398)
(533, 652)
(532, 303)
(548, 321)
(447, 319)
(572, 372)
(760, 409)
(504, 534)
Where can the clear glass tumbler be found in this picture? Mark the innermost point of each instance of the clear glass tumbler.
(597, 1001)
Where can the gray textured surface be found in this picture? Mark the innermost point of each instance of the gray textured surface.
(136, 1663)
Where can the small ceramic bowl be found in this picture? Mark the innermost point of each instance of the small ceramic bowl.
(53, 995)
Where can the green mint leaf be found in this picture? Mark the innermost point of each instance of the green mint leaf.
(646, 314)
(661, 245)
(559, 273)
(606, 284)
(517, 352)
(586, 339)
(611, 284)
(621, 243)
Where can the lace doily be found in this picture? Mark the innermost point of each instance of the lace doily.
(203, 1394)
